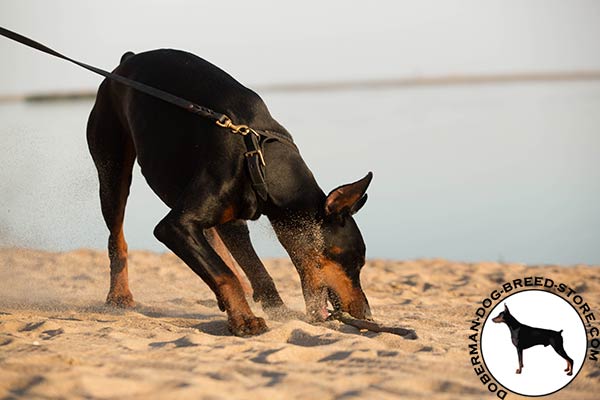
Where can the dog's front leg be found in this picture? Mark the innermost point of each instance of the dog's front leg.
(520, 352)
(179, 232)
(236, 236)
(216, 242)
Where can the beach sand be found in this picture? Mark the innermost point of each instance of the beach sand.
(58, 340)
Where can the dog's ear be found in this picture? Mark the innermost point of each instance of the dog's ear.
(359, 204)
(506, 308)
(348, 199)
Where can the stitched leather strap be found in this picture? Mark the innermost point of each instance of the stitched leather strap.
(256, 165)
(152, 91)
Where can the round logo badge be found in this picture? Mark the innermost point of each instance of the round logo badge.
(533, 342)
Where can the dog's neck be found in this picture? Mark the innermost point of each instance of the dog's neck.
(294, 194)
(512, 322)
(296, 206)
(298, 228)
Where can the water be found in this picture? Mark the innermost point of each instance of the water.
(491, 172)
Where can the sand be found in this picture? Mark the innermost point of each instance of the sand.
(58, 340)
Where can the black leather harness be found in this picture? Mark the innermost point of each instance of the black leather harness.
(254, 139)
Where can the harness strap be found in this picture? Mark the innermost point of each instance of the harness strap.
(256, 165)
(252, 138)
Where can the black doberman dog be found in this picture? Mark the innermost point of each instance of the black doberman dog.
(198, 170)
(524, 337)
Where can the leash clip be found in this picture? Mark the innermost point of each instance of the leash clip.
(225, 122)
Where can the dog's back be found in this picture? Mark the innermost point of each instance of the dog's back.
(529, 336)
(171, 144)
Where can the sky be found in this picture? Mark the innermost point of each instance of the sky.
(268, 41)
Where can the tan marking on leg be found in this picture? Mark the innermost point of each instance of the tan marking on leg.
(217, 244)
(114, 189)
(119, 294)
(242, 321)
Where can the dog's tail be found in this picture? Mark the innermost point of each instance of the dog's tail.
(560, 332)
(127, 56)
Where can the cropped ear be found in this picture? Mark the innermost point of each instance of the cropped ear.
(348, 198)
(359, 204)
(506, 308)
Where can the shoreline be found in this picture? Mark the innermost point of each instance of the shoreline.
(358, 84)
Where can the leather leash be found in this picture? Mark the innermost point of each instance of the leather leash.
(254, 139)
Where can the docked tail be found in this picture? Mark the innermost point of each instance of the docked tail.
(126, 56)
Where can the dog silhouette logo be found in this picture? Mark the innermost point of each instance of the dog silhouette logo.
(542, 334)
(524, 336)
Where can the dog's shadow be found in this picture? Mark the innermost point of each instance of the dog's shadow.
(214, 324)
(158, 312)
(214, 328)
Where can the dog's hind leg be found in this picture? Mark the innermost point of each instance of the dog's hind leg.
(236, 237)
(113, 152)
(557, 345)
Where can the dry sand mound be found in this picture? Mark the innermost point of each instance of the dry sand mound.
(57, 340)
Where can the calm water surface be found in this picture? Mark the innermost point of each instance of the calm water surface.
(470, 173)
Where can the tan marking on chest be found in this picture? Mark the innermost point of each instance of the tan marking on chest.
(227, 215)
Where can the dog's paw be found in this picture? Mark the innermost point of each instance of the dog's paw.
(518, 371)
(247, 325)
(120, 300)
(570, 373)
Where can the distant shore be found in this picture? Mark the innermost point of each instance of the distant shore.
(359, 84)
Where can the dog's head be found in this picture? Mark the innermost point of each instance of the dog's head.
(503, 316)
(342, 254)
(328, 251)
